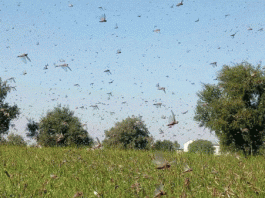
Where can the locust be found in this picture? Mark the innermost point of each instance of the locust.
(161, 163)
(24, 58)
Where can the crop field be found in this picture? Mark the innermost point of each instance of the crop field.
(73, 172)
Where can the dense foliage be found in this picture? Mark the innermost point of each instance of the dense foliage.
(130, 133)
(201, 146)
(234, 108)
(7, 112)
(166, 145)
(60, 128)
(32, 128)
(15, 139)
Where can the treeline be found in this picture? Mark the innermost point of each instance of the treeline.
(60, 128)
(233, 109)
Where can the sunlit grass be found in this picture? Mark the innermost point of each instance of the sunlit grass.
(63, 172)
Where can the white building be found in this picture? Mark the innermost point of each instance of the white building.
(186, 145)
(217, 149)
(179, 151)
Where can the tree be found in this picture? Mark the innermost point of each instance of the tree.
(201, 146)
(32, 128)
(166, 145)
(234, 108)
(7, 112)
(130, 133)
(150, 142)
(60, 128)
(15, 140)
(176, 145)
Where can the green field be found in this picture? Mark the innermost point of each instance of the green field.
(63, 172)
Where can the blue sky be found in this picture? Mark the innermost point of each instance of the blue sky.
(178, 58)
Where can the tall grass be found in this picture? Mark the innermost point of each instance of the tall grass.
(63, 172)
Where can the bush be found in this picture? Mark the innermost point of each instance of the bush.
(2, 140)
(201, 146)
(15, 140)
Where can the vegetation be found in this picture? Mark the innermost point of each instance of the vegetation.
(65, 172)
(7, 112)
(2, 140)
(14, 139)
(234, 108)
(166, 145)
(201, 146)
(59, 128)
(32, 128)
(131, 133)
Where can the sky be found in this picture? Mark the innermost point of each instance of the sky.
(178, 57)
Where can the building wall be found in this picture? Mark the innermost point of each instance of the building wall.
(217, 150)
(187, 144)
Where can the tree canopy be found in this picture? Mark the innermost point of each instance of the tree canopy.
(129, 133)
(59, 128)
(234, 108)
(32, 128)
(7, 111)
(166, 145)
(201, 146)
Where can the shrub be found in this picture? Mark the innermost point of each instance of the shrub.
(15, 140)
